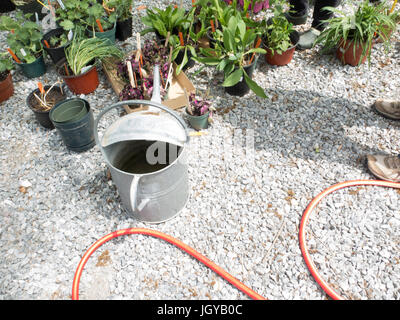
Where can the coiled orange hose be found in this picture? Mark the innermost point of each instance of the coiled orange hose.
(235, 282)
(302, 232)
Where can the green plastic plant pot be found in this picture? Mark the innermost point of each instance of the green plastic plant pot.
(34, 69)
(70, 110)
(109, 34)
(78, 136)
(198, 122)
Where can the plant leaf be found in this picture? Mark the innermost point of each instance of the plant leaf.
(233, 78)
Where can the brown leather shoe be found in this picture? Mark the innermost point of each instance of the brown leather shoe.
(384, 167)
(388, 108)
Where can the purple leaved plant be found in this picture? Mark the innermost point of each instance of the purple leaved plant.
(198, 106)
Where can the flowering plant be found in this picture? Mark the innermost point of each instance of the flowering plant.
(198, 106)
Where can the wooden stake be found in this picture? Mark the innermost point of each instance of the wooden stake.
(162, 78)
(66, 69)
(167, 39)
(130, 73)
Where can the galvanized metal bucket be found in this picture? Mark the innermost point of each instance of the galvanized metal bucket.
(152, 196)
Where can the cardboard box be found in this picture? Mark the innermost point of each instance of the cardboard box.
(176, 97)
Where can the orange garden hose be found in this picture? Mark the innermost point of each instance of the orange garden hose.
(302, 232)
(235, 282)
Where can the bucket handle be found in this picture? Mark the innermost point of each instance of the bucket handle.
(133, 195)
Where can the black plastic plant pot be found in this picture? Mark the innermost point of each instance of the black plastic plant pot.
(78, 136)
(34, 69)
(56, 54)
(6, 6)
(241, 88)
(124, 29)
(33, 7)
(43, 116)
(179, 58)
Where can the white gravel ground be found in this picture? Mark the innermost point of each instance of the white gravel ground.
(313, 131)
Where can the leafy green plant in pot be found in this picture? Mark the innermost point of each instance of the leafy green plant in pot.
(185, 46)
(161, 22)
(198, 112)
(24, 43)
(352, 34)
(236, 56)
(123, 10)
(54, 43)
(101, 23)
(79, 68)
(280, 38)
(6, 83)
(394, 15)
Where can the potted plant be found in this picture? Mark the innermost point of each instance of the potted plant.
(6, 6)
(352, 35)
(139, 84)
(161, 22)
(43, 99)
(32, 7)
(54, 43)
(185, 45)
(24, 44)
(123, 10)
(78, 69)
(236, 56)
(101, 23)
(6, 83)
(394, 15)
(198, 112)
(280, 38)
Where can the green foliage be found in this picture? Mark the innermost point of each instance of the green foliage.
(123, 8)
(82, 51)
(234, 52)
(23, 34)
(277, 31)
(163, 21)
(58, 41)
(84, 12)
(6, 63)
(366, 21)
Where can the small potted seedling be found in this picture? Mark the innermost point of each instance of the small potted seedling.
(43, 99)
(280, 38)
(198, 111)
(352, 35)
(54, 43)
(123, 10)
(24, 44)
(101, 23)
(6, 83)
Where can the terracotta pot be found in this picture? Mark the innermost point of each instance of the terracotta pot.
(345, 53)
(6, 88)
(81, 84)
(285, 57)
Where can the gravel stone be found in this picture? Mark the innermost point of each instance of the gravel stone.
(314, 130)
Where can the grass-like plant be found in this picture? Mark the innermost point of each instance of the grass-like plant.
(82, 51)
(366, 21)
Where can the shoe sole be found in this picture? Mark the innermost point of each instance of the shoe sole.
(382, 113)
(376, 174)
